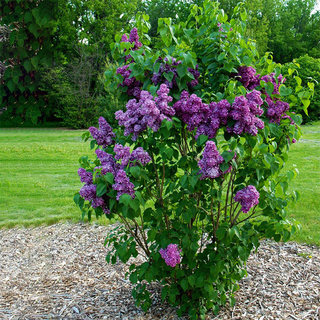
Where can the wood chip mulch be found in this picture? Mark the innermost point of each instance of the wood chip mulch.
(60, 272)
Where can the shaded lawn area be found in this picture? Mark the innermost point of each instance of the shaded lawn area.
(38, 178)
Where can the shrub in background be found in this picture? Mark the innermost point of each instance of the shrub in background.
(306, 70)
(25, 46)
(194, 168)
(78, 92)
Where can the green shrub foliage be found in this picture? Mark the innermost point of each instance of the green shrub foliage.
(306, 70)
(25, 47)
(194, 168)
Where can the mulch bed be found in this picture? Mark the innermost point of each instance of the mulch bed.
(60, 272)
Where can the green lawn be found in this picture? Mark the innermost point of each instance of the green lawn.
(38, 175)
(38, 178)
(305, 155)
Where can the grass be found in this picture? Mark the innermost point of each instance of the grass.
(38, 175)
(38, 178)
(305, 155)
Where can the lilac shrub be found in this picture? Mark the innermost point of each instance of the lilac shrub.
(193, 172)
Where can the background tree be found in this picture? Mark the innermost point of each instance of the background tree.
(25, 46)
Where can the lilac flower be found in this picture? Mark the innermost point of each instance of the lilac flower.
(133, 85)
(244, 111)
(248, 77)
(98, 202)
(192, 111)
(210, 162)
(166, 67)
(276, 83)
(107, 161)
(171, 255)
(88, 192)
(122, 153)
(247, 197)
(146, 112)
(276, 109)
(123, 184)
(141, 156)
(124, 38)
(85, 176)
(134, 38)
(196, 74)
(105, 136)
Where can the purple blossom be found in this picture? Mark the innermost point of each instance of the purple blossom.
(208, 119)
(192, 111)
(276, 83)
(134, 38)
(124, 38)
(107, 161)
(105, 136)
(146, 112)
(140, 156)
(210, 162)
(248, 77)
(88, 192)
(123, 184)
(85, 176)
(133, 85)
(171, 255)
(166, 67)
(122, 153)
(244, 111)
(276, 110)
(98, 202)
(247, 197)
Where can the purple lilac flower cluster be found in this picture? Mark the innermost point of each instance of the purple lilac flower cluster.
(133, 85)
(165, 67)
(209, 118)
(171, 255)
(146, 112)
(250, 79)
(210, 162)
(113, 164)
(123, 184)
(244, 112)
(105, 136)
(89, 191)
(192, 111)
(122, 154)
(247, 197)
(133, 38)
(277, 109)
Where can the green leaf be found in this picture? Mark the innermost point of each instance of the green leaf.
(101, 189)
(202, 139)
(109, 177)
(306, 103)
(11, 85)
(227, 156)
(182, 70)
(269, 88)
(135, 171)
(284, 91)
(192, 280)
(27, 65)
(184, 284)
